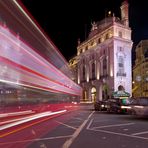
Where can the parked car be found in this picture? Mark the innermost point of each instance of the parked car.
(100, 105)
(139, 106)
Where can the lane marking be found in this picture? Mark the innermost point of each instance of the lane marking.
(140, 133)
(113, 125)
(68, 142)
(88, 126)
(120, 134)
(66, 125)
(33, 140)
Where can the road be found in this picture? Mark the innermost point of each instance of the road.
(82, 128)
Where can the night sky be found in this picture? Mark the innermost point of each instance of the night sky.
(66, 21)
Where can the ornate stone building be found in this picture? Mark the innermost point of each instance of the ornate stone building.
(103, 61)
(140, 70)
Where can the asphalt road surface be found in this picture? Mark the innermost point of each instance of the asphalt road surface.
(82, 128)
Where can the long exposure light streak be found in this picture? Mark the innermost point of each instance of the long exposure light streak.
(37, 27)
(30, 20)
(30, 118)
(35, 78)
(38, 66)
(30, 53)
(16, 113)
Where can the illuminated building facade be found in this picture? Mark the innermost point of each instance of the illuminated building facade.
(104, 58)
(140, 70)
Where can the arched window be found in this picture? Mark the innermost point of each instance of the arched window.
(93, 94)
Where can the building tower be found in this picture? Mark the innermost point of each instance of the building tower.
(124, 13)
(104, 58)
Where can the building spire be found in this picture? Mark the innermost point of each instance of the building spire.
(124, 13)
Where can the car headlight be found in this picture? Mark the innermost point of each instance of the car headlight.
(125, 107)
(102, 105)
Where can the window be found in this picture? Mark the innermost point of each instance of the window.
(104, 66)
(83, 73)
(93, 70)
(104, 63)
(146, 53)
(120, 34)
(120, 62)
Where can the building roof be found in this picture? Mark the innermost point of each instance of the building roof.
(98, 27)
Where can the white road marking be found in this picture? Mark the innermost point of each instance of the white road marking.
(88, 126)
(140, 133)
(95, 122)
(97, 129)
(38, 139)
(120, 134)
(113, 125)
(66, 125)
(76, 133)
